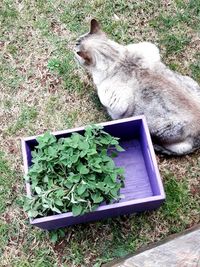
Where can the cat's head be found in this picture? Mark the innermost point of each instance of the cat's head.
(88, 44)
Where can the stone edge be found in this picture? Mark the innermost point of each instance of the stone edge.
(151, 246)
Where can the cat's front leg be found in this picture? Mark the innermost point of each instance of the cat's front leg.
(117, 103)
(118, 113)
(114, 115)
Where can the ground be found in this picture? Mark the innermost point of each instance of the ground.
(43, 88)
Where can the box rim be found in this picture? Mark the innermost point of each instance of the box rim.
(153, 158)
(68, 215)
(106, 123)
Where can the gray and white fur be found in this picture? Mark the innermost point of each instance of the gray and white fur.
(132, 80)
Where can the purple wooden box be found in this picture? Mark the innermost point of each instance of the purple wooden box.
(143, 186)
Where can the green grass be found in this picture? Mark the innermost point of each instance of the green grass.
(179, 202)
(175, 43)
(176, 29)
(66, 69)
(8, 70)
(7, 177)
(42, 87)
(195, 68)
(27, 116)
(4, 228)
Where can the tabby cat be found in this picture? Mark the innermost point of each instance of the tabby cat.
(132, 80)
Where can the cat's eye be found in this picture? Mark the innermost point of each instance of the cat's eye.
(78, 42)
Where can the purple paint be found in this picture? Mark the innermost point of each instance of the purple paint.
(143, 186)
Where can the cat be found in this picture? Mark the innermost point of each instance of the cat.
(131, 80)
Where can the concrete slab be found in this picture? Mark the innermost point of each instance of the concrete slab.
(181, 251)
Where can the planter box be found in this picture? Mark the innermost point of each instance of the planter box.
(143, 186)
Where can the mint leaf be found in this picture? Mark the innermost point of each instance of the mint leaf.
(76, 210)
(97, 198)
(38, 190)
(82, 169)
(92, 152)
(58, 202)
(32, 213)
(114, 154)
(54, 237)
(119, 148)
(81, 189)
(84, 145)
(101, 186)
(56, 210)
(60, 193)
(120, 171)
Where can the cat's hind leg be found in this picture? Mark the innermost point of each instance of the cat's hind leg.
(179, 148)
(172, 137)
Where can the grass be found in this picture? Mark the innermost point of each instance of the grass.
(7, 188)
(26, 117)
(195, 67)
(43, 88)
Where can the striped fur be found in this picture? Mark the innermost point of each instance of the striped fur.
(132, 80)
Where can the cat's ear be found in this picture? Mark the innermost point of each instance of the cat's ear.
(86, 56)
(95, 27)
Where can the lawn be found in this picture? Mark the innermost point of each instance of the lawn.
(43, 88)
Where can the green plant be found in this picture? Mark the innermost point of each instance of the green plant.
(73, 174)
(55, 235)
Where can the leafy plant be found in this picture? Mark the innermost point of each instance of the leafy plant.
(74, 173)
(55, 235)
